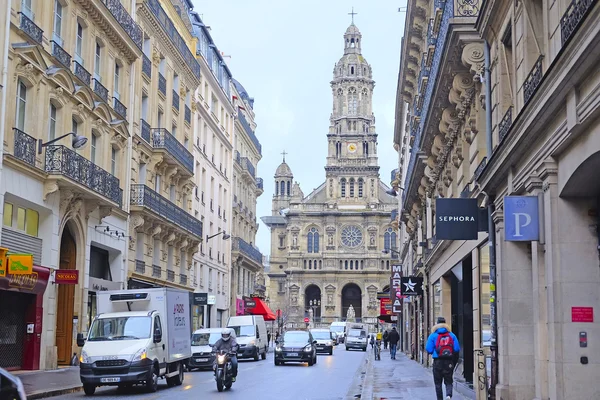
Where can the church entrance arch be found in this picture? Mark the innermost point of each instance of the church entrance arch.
(312, 301)
(352, 296)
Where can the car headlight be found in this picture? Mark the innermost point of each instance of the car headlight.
(251, 343)
(328, 343)
(308, 348)
(84, 358)
(140, 355)
(278, 348)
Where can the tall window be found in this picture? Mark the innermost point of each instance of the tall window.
(351, 187)
(58, 11)
(352, 101)
(116, 94)
(23, 219)
(289, 188)
(360, 187)
(389, 241)
(52, 122)
(21, 105)
(343, 184)
(93, 147)
(113, 161)
(26, 8)
(79, 44)
(313, 241)
(282, 188)
(97, 62)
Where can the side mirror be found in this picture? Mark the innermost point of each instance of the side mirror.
(314, 342)
(157, 336)
(80, 340)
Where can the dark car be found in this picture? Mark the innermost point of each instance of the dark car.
(325, 340)
(296, 346)
(11, 387)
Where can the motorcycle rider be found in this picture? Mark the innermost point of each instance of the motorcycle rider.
(229, 344)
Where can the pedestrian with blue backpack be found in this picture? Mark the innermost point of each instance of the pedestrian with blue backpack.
(443, 346)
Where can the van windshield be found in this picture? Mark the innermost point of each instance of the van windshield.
(244, 330)
(120, 328)
(205, 339)
(321, 335)
(357, 333)
(337, 328)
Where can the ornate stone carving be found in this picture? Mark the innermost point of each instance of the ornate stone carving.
(27, 71)
(136, 222)
(50, 186)
(104, 211)
(473, 56)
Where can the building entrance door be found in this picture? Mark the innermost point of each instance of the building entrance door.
(65, 301)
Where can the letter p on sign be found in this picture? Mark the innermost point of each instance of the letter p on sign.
(521, 218)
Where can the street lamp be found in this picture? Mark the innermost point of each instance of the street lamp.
(388, 251)
(225, 236)
(392, 192)
(77, 142)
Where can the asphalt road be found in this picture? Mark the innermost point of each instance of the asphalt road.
(333, 377)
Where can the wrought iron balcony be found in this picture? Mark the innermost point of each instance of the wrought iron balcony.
(162, 84)
(170, 275)
(25, 147)
(572, 18)
(467, 8)
(505, 124)
(146, 66)
(100, 90)
(187, 116)
(162, 139)
(61, 55)
(249, 131)
(81, 73)
(175, 100)
(259, 183)
(533, 80)
(125, 20)
(64, 161)
(156, 272)
(119, 108)
(140, 266)
(145, 131)
(31, 29)
(480, 168)
(183, 279)
(238, 244)
(142, 195)
(247, 166)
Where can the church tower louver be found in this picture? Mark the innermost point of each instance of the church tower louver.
(326, 247)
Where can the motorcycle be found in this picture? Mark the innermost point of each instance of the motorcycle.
(223, 370)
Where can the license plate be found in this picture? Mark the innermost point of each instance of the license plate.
(201, 359)
(110, 380)
(292, 354)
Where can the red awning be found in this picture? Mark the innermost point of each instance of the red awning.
(261, 309)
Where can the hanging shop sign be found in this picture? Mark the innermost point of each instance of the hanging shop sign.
(200, 299)
(385, 306)
(19, 264)
(3, 251)
(521, 218)
(456, 219)
(212, 299)
(66, 276)
(395, 282)
(249, 303)
(411, 286)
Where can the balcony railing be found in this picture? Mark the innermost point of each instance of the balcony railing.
(146, 66)
(170, 275)
(162, 138)
(505, 124)
(25, 147)
(142, 195)
(162, 84)
(140, 266)
(119, 108)
(247, 165)
(81, 73)
(480, 168)
(146, 131)
(467, 8)
(571, 19)
(247, 249)
(533, 80)
(124, 19)
(259, 183)
(187, 115)
(183, 279)
(61, 55)
(249, 131)
(156, 272)
(64, 161)
(100, 90)
(31, 29)
(175, 100)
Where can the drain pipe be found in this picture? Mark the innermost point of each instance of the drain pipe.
(491, 233)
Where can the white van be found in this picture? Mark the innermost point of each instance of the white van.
(203, 341)
(251, 335)
(339, 328)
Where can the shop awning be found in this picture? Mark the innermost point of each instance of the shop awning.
(261, 308)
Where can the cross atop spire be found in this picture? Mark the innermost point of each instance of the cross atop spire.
(283, 153)
(353, 14)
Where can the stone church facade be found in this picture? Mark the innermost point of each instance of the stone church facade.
(327, 247)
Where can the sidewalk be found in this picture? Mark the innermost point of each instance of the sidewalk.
(41, 384)
(401, 378)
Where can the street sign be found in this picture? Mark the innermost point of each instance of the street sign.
(411, 286)
(456, 219)
(212, 299)
(521, 218)
(66, 276)
(306, 319)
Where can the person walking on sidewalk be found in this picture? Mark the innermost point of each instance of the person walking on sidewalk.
(385, 339)
(443, 347)
(393, 338)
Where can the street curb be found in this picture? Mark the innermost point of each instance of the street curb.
(42, 394)
(367, 385)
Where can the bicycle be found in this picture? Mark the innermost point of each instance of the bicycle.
(377, 350)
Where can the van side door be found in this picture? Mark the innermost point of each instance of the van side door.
(159, 348)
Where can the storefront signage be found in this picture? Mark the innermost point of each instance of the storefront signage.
(521, 218)
(212, 299)
(239, 307)
(456, 219)
(200, 299)
(395, 282)
(19, 264)
(385, 306)
(99, 285)
(249, 303)
(411, 286)
(582, 314)
(66, 276)
(34, 283)
(3, 251)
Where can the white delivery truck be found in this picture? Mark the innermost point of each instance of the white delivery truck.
(139, 336)
(251, 336)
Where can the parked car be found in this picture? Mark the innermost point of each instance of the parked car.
(296, 346)
(11, 387)
(203, 341)
(324, 340)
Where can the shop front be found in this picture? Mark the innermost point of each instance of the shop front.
(21, 314)
(239, 307)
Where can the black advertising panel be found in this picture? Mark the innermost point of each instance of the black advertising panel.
(200, 299)
(411, 286)
(456, 219)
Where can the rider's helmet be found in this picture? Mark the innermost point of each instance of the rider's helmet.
(225, 334)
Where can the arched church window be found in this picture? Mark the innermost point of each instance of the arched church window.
(289, 188)
(351, 70)
(340, 94)
(351, 187)
(346, 264)
(282, 185)
(389, 241)
(343, 184)
(305, 264)
(309, 264)
(312, 241)
(352, 101)
(360, 187)
(276, 188)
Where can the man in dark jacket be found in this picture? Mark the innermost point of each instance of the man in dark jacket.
(229, 344)
(393, 338)
(385, 339)
(443, 347)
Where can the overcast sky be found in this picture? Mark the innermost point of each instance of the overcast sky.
(283, 52)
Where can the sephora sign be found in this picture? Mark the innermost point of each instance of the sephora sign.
(456, 219)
